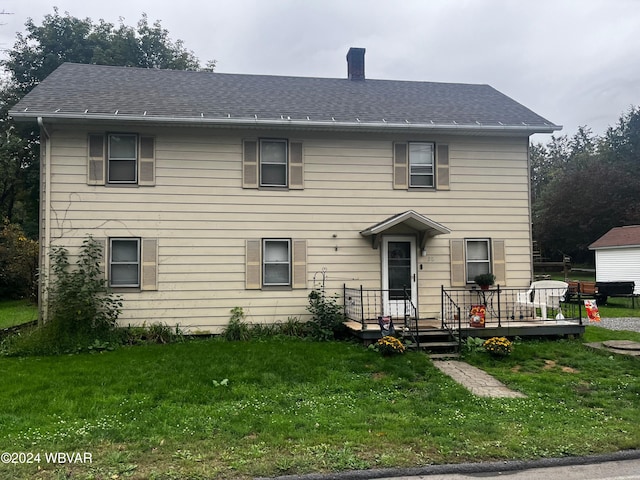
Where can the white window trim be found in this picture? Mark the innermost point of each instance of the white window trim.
(135, 159)
(265, 263)
(466, 256)
(433, 166)
(286, 162)
(111, 262)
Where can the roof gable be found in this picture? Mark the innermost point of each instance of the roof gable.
(76, 91)
(618, 237)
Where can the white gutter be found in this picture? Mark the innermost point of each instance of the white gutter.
(319, 124)
(45, 237)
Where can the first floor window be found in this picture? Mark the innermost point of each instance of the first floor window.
(122, 165)
(478, 257)
(273, 163)
(276, 264)
(421, 165)
(124, 262)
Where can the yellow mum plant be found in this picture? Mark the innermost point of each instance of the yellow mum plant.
(498, 346)
(389, 346)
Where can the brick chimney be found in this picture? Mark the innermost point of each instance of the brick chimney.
(355, 63)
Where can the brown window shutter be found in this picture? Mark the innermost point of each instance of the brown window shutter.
(149, 266)
(95, 159)
(458, 278)
(400, 167)
(499, 262)
(442, 170)
(250, 164)
(296, 166)
(147, 161)
(299, 264)
(253, 264)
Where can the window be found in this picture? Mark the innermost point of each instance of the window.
(124, 262)
(421, 165)
(478, 257)
(122, 165)
(276, 264)
(273, 163)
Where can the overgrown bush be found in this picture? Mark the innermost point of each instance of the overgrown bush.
(18, 263)
(237, 329)
(151, 334)
(326, 316)
(82, 312)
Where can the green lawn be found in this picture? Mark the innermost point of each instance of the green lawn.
(16, 312)
(215, 409)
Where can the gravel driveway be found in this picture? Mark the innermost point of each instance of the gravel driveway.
(632, 324)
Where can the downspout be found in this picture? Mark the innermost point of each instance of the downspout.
(45, 235)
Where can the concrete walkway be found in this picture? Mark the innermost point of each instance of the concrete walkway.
(477, 381)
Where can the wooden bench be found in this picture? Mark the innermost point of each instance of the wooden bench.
(579, 289)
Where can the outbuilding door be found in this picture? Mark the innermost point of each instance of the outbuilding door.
(399, 266)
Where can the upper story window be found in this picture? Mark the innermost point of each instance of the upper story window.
(121, 159)
(421, 165)
(273, 163)
(478, 257)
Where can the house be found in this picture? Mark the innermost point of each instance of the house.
(618, 256)
(211, 191)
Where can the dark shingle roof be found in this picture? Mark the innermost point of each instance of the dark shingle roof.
(618, 237)
(96, 91)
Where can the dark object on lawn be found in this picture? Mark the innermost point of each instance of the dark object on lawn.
(614, 289)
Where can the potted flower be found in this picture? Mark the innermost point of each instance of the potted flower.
(485, 280)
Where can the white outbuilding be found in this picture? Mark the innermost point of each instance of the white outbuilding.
(618, 255)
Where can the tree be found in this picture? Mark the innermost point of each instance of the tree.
(63, 38)
(37, 53)
(585, 185)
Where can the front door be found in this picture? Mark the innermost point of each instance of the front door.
(398, 274)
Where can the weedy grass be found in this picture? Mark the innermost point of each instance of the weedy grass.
(216, 409)
(17, 312)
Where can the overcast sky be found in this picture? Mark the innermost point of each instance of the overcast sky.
(575, 62)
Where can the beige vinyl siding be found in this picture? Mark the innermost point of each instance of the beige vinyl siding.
(202, 216)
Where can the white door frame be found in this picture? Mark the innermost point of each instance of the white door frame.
(395, 308)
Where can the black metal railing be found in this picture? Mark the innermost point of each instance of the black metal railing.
(504, 306)
(451, 316)
(368, 305)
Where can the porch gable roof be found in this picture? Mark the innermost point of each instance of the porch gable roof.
(412, 219)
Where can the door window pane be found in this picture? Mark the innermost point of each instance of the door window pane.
(399, 265)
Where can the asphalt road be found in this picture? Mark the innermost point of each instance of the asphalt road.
(624, 465)
(615, 470)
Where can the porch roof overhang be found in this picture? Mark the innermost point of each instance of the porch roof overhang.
(424, 226)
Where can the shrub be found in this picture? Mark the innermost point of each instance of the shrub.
(152, 334)
(18, 263)
(81, 309)
(237, 329)
(498, 346)
(326, 316)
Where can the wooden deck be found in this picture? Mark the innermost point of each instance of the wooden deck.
(370, 331)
